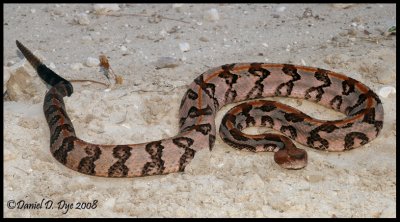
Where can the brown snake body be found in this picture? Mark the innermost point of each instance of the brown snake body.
(205, 96)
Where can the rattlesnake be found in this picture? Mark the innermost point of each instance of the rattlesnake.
(205, 96)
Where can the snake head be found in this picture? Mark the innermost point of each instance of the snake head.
(290, 157)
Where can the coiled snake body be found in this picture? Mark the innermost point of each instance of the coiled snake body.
(209, 92)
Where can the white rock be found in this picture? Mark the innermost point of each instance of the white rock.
(386, 91)
(52, 65)
(281, 9)
(33, 10)
(23, 83)
(10, 63)
(102, 9)
(211, 15)
(76, 66)
(265, 44)
(123, 48)
(82, 19)
(90, 61)
(342, 6)
(87, 38)
(163, 33)
(360, 27)
(184, 46)
(177, 7)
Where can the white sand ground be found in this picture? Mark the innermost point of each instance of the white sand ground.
(221, 183)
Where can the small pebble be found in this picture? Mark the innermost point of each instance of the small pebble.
(314, 178)
(33, 10)
(163, 33)
(360, 27)
(184, 46)
(166, 62)
(102, 9)
(87, 38)
(123, 48)
(307, 13)
(342, 6)
(177, 7)
(52, 65)
(90, 62)
(82, 19)
(356, 19)
(281, 9)
(265, 44)
(275, 16)
(203, 39)
(10, 63)
(211, 15)
(174, 29)
(57, 12)
(386, 91)
(76, 66)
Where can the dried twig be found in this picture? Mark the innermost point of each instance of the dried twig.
(108, 72)
(86, 80)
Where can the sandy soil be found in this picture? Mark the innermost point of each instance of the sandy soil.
(221, 183)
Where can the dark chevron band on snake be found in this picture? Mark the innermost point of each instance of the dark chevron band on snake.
(204, 97)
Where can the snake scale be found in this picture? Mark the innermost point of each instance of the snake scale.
(204, 97)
